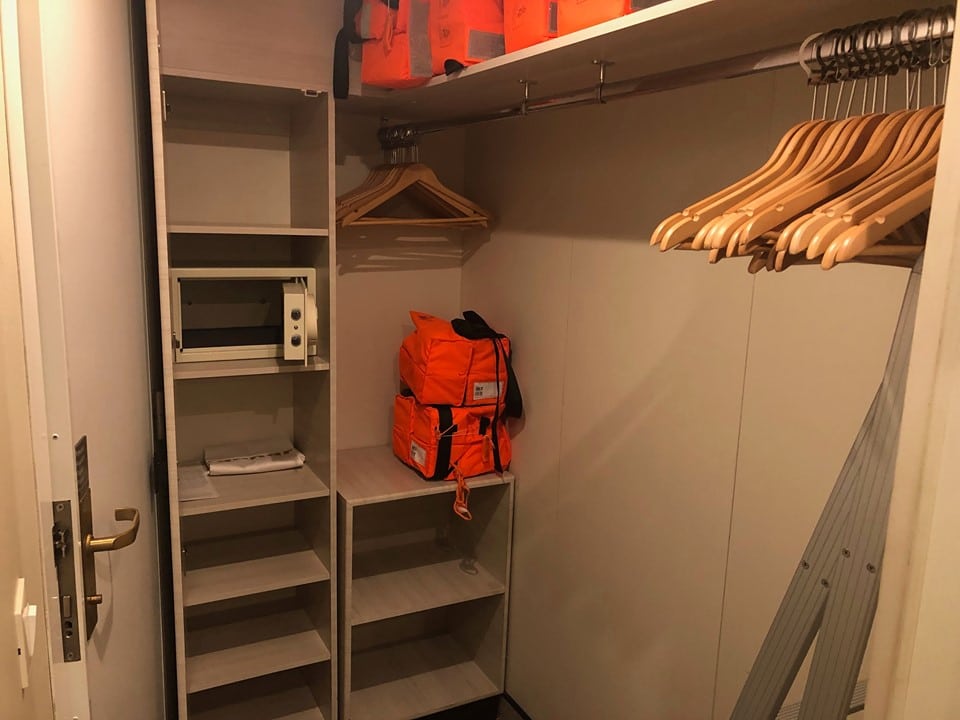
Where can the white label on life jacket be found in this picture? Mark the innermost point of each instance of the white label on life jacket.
(418, 454)
(486, 390)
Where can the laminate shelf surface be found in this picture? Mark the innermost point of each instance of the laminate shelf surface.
(244, 491)
(247, 565)
(225, 654)
(388, 595)
(436, 675)
(205, 229)
(293, 704)
(240, 368)
(664, 37)
(374, 475)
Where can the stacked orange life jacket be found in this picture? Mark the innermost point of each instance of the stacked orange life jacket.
(451, 422)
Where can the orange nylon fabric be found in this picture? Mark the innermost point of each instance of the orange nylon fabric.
(528, 22)
(578, 14)
(443, 368)
(417, 435)
(396, 52)
(467, 31)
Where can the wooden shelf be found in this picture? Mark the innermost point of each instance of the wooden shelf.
(235, 88)
(667, 36)
(262, 699)
(244, 491)
(374, 475)
(436, 675)
(202, 229)
(391, 594)
(224, 654)
(240, 368)
(249, 564)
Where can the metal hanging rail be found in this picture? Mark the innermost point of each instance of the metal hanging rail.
(876, 48)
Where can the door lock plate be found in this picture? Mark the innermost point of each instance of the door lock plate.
(63, 544)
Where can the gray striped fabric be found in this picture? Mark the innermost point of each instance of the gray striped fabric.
(835, 587)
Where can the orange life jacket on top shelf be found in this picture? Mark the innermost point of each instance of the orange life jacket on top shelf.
(464, 32)
(528, 22)
(578, 14)
(396, 47)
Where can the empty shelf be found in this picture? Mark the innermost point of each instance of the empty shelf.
(238, 368)
(225, 654)
(247, 565)
(391, 594)
(293, 704)
(437, 675)
(244, 491)
(204, 229)
(372, 475)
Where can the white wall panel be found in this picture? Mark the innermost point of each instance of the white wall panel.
(648, 563)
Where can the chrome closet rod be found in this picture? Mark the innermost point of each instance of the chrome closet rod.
(884, 37)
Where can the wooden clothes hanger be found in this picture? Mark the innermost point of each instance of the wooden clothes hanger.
(798, 233)
(813, 232)
(815, 151)
(858, 239)
(683, 226)
(387, 182)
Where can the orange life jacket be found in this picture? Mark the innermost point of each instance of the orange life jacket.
(450, 443)
(578, 14)
(396, 47)
(465, 32)
(462, 363)
(528, 22)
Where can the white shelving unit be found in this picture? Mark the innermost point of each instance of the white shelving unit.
(423, 593)
(243, 128)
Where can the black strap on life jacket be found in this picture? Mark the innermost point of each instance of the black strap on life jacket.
(447, 430)
(341, 47)
(474, 327)
(445, 442)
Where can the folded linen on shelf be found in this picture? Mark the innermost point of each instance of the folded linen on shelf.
(256, 456)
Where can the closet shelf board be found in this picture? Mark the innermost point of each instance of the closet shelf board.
(253, 648)
(292, 704)
(373, 475)
(236, 88)
(285, 231)
(245, 491)
(436, 675)
(240, 368)
(249, 564)
(392, 594)
(664, 37)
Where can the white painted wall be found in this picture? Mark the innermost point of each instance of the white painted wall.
(685, 422)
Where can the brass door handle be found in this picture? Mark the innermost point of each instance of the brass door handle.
(93, 544)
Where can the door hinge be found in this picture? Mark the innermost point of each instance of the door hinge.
(159, 417)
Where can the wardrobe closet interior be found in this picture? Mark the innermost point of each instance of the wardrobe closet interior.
(685, 419)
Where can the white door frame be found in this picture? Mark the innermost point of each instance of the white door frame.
(44, 342)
